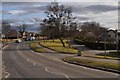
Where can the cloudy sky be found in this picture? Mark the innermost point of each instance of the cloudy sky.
(32, 13)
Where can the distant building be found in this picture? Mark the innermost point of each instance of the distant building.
(11, 35)
(111, 34)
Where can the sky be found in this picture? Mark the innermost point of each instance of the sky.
(31, 12)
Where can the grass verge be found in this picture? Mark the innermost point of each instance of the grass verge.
(103, 57)
(36, 48)
(111, 55)
(100, 64)
(57, 46)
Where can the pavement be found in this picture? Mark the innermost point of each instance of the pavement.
(22, 62)
(88, 50)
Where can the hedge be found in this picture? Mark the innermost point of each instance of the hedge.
(94, 45)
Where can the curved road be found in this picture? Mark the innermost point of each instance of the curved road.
(21, 62)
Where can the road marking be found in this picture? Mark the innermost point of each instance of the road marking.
(57, 73)
(32, 51)
(56, 59)
(85, 67)
(4, 47)
(34, 63)
(3, 67)
(8, 74)
(27, 59)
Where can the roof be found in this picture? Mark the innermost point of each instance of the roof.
(112, 31)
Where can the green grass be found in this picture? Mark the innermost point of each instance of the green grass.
(103, 57)
(112, 54)
(115, 51)
(36, 48)
(57, 46)
(93, 63)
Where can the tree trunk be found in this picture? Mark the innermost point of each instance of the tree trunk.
(62, 42)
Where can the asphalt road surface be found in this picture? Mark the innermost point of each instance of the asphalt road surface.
(21, 62)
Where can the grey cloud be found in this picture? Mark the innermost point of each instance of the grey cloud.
(32, 9)
(83, 18)
(101, 8)
(16, 3)
(94, 8)
(12, 20)
(26, 7)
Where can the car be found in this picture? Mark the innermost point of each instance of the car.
(18, 41)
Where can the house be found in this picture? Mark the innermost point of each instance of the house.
(13, 34)
(119, 36)
(111, 34)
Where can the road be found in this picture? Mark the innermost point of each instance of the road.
(21, 62)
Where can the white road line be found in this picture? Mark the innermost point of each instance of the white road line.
(3, 67)
(34, 63)
(85, 67)
(57, 73)
(8, 74)
(47, 57)
(5, 47)
(56, 59)
(32, 51)
(27, 59)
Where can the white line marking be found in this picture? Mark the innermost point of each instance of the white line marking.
(5, 47)
(8, 74)
(57, 73)
(85, 67)
(56, 59)
(34, 63)
(3, 67)
(27, 59)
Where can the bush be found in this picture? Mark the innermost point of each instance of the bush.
(95, 45)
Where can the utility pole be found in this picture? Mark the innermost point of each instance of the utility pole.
(105, 35)
(117, 41)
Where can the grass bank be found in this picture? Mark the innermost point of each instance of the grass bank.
(56, 45)
(92, 63)
(103, 57)
(35, 47)
(111, 55)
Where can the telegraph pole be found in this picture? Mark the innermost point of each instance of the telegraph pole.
(105, 42)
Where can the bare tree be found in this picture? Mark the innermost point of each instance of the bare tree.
(22, 29)
(58, 20)
(92, 30)
(73, 30)
(6, 28)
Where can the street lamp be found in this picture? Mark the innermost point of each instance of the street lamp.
(117, 41)
(105, 41)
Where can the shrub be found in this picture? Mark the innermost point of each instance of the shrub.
(95, 45)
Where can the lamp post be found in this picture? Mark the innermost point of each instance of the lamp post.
(105, 41)
(117, 41)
